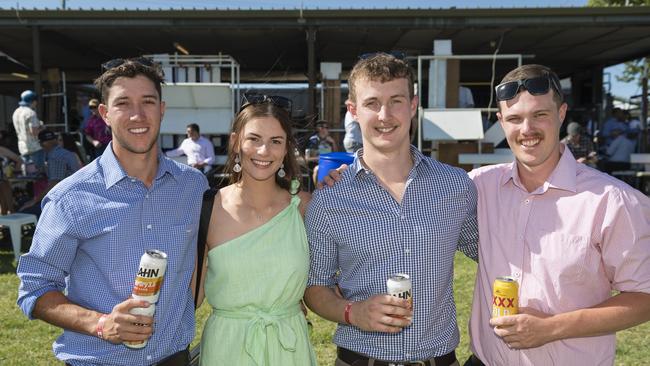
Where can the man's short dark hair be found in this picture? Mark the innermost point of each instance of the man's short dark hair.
(380, 67)
(129, 69)
(194, 127)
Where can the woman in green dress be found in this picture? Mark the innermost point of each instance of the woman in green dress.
(258, 256)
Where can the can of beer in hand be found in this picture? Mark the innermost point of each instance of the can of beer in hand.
(399, 285)
(505, 297)
(148, 282)
(141, 311)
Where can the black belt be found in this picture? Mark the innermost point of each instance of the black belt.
(351, 357)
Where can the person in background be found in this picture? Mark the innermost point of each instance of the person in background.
(319, 143)
(27, 126)
(96, 130)
(198, 149)
(616, 121)
(258, 256)
(68, 142)
(571, 236)
(352, 141)
(393, 211)
(96, 225)
(619, 151)
(12, 164)
(580, 144)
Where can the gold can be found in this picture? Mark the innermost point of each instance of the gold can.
(505, 297)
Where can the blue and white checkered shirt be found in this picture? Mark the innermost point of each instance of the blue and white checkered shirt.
(357, 227)
(95, 226)
(61, 163)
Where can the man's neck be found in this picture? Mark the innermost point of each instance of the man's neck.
(141, 166)
(391, 169)
(534, 177)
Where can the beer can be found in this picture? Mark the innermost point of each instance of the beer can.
(399, 285)
(149, 278)
(141, 311)
(505, 297)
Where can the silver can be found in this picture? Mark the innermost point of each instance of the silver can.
(399, 285)
(149, 278)
(150, 311)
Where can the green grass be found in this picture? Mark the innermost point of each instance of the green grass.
(30, 342)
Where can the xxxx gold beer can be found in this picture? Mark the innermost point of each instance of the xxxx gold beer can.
(505, 297)
(148, 282)
(141, 311)
(399, 285)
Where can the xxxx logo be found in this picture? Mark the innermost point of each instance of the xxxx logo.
(508, 302)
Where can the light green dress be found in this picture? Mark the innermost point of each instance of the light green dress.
(254, 285)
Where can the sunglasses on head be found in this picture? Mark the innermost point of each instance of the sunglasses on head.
(146, 61)
(536, 86)
(276, 100)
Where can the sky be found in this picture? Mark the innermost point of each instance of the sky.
(620, 89)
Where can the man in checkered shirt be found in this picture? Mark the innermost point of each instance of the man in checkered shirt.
(393, 211)
(60, 164)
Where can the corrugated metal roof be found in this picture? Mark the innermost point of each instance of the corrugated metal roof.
(234, 5)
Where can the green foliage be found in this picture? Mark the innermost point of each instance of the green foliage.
(29, 343)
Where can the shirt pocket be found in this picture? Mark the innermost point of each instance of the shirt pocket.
(561, 257)
(178, 243)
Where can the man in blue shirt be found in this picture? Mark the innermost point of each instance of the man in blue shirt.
(393, 211)
(97, 223)
(60, 164)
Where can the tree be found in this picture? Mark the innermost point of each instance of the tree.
(598, 3)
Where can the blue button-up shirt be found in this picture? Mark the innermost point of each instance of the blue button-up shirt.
(95, 226)
(359, 235)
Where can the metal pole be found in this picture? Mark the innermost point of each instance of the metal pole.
(65, 103)
(644, 111)
(420, 104)
(36, 61)
(311, 70)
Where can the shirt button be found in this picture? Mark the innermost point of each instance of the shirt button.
(517, 274)
(521, 237)
(402, 217)
(527, 201)
(132, 180)
(149, 357)
(407, 251)
(146, 195)
(408, 355)
(149, 227)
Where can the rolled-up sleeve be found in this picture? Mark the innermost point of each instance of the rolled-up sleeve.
(626, 241)
(48, 262)
(323, 250)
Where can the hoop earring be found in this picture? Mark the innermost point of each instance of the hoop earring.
(281, 172)
(236, 168)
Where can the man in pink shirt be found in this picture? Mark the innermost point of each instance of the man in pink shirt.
(569, 234)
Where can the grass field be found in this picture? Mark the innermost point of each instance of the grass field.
(30, 342)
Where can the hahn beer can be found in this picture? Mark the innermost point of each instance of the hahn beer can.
(141, 311)
(505, 297)
(148, 282)
(399, 285)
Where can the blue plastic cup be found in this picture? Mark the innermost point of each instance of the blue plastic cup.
(333, 160)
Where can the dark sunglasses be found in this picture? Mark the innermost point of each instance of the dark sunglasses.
(536, 86)
(276, 100)
(146, 61)
(397, 54)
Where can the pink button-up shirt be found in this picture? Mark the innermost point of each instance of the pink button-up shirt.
(569, 243)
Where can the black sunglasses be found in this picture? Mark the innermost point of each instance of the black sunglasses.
(146, 61)
(276, 100)
(536, 86)
(397, 54)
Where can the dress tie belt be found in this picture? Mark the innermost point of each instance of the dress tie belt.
(258, 321)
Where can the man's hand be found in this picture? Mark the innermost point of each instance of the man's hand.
(122, 326)
(381, 313)
(528, 329)
(332, 177)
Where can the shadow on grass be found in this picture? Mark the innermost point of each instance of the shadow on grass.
(7, 262)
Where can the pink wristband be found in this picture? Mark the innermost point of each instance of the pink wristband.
(346, 313)
(100, 326)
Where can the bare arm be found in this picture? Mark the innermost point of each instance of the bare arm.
(54, 308)
(533, 328)
(379, 313)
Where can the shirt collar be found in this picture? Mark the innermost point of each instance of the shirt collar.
(358, 167)
(113, 171)
(563, 176)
